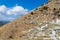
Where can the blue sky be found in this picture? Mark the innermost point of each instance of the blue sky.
(11, 9)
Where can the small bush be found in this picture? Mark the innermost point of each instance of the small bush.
(45, 8)
(11, 37)
(32, 13)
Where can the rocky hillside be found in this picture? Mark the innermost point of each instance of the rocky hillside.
(42, 23)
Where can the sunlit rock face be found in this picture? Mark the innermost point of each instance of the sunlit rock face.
(49, 30)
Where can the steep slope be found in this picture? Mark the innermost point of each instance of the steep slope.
(41, 23)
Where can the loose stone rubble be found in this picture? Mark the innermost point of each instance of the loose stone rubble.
(50, 30)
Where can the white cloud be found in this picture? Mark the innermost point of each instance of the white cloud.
(18, 8)
(2, 8)
(15, 11)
